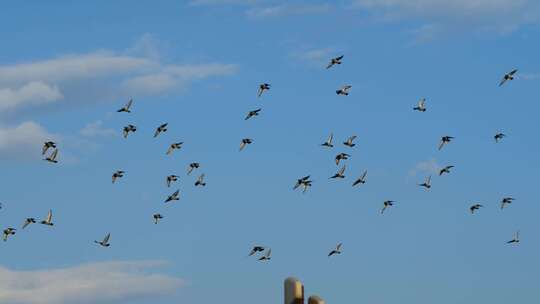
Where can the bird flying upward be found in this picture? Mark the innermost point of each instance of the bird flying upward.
(337, 250)
(507, 77)
(361, 179)
(334, 61)
(126, 107)
(48, 220)
(263, 87)
(105, 241)
(162, 128)
(344, 90)
(421, 107)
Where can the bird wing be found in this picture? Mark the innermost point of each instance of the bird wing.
(242, 145)
(106, 239)
(45, 148)
(330, 138)
(342, 170)
(441, 145)
(260, 91)
(364, 175)
(352, 138)
(26, 223)
(513, 72)
(49, 216)
(128, 105)
(201, 178)
(338, 247)
(157, 132)
(269, 252)
(502, 81)
(54, 154)
(171, 148)
(175, 194)
(428, 180)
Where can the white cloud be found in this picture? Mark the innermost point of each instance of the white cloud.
(492, 15)
(87, 283)
(24, 140)
(95, 129)
(33, 93)
(425, 167)
(288, 9)
(318, 57)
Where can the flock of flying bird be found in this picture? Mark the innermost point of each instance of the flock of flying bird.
(304, 182)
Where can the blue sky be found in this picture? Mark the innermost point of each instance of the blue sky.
(65, 68)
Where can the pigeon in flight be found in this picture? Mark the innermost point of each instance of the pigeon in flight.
(328, 142)
(157, 217)
(117, 174)
(126, 107)
(421, 107)
(46, 146)
(349, 141)
(340, 173)
(508, 76)
(48, 220)
(160, 129)
(445, 170)
(263, 87)
(344, 90)
(7, 232)
(173, 197)
(387, 204)
(427, 183)
(171, 178)
(361, 179)
(255, 250)
(174, 146)
(335, 251)
(341, 156)
(28, 221)
(105, 241)
(192, 167)
(506, 201)
(252, 113)
(266, 256)
(304, 182)
(515, 239)
(127, 129)
(200, 181)
(52, 158)
(245, 142)
(499, 136)
(334, 61)
(475, 207)
(445, 140)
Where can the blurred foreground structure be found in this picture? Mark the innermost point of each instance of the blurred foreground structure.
(294, 293)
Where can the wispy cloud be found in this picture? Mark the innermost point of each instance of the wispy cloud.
(23, 141)
(89, 283)
(32, 93)
(425, 167)
(288, 9)
(96, 129)
(317, 57)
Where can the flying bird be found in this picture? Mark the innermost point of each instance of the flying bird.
(304, 182)
(174, 146)
(445, 140)
(387, 204)
(48, 220)
(334, 61)
(421, 107)
(52, 158)
(28, 221)
(171, 178)
(117, 174)
(335, 251)
(192, 167)
(427, 183)
(263, 87)
(266, 256)
(515, 239)
(255, 250)
(173, 197)
(475, 207)
(506, 201)
(127, 129)
(200, 181)
(157, 217)
(341, 156)
(46, 146)
(252, 113)
(361, 179)
(160, 129)
(245, 142)
(349, 141)
(7, 232)
(126, 107)
(445, 170)
(499, 136)
(328, 142)
(340, 173)
(344, 90)
(508, 76)
(105, 241)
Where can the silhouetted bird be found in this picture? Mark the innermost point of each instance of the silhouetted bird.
(52, 158)
(200, 181)
(7, 232)
(361, 179)
(192, 167)
(328, 142)
(263, 87)
(266, 256)
(245, 142)
(445, 170)
(421, 107)
(162, 128)
(475, 207)
(387, 204)
(252, 113)
(117, 174)
(174, 146)
(340, 173)
(127, 129)
(508, 76)
(334, 61)
(171, 178)
(515, 239)
(304, 182)
(349, 141)
(427, 183)
(499, 136)
(344, 90)
(173, 197)
(28, 221)
(157, 217)
(506, 201)
(336, 251)
(126, 107)
(48, 220)
(105, 241)
(341, 156)
(445, 140)
(46, 146)
(255, 250)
